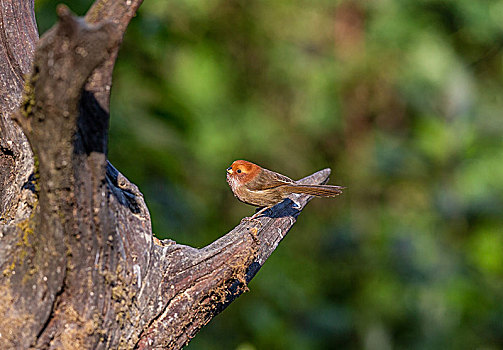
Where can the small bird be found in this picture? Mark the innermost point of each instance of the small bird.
(254, 185)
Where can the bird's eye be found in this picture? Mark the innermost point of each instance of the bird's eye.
(239, 170)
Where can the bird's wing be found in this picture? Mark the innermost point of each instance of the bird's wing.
(268, 179)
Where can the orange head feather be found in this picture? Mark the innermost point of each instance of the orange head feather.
(243, 171)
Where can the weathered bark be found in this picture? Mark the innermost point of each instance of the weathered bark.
(80, 267)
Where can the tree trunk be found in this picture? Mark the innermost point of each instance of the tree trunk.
(80, 267)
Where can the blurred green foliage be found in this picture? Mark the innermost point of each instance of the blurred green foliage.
(402, 99)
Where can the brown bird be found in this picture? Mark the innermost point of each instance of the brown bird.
(254, 185)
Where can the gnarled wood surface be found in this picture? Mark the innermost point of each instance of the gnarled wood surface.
(80, 267)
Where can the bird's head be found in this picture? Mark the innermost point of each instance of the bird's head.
(242, 171)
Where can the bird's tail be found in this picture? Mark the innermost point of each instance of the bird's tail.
(317, 190)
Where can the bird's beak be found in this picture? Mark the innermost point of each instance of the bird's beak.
(229, 170)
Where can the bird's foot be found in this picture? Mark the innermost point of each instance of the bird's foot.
(255, 216)
(258, 213)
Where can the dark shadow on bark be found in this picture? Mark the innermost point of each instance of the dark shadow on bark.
(92, 123)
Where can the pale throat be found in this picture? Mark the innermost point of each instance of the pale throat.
(232, 181)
